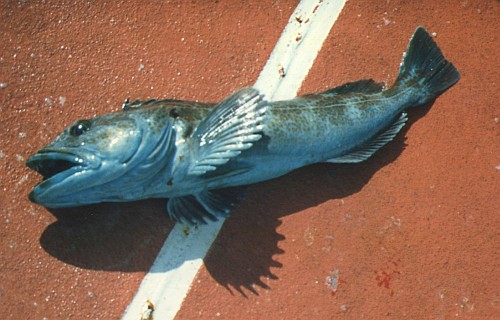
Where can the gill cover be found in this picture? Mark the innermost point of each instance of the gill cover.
(107, 158)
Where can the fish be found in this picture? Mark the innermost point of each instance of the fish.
(200, 155)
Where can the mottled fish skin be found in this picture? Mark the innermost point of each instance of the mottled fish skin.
(192, 152)
(319, 127)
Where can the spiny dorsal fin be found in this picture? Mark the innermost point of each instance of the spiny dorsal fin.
(366, 150)
(361, 86)
(127, 105)
(230, 128)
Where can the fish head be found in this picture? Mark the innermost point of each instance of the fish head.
(95, 160)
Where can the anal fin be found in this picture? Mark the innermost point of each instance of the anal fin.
(208, 204)
(367, 149)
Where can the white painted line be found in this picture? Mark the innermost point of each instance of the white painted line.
(166, 285)
(297, 48)
(169, 279)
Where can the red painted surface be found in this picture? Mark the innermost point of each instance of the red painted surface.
(427, 201)
(413, 231)
(88, 262)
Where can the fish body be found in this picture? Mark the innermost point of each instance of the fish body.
(193, 153)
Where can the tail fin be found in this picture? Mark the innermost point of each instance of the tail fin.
(425, 65)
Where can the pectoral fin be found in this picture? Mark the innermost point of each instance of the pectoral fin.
(233, 126)
(204, 205)
(366, 150)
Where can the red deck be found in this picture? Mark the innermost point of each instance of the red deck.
(412, 232)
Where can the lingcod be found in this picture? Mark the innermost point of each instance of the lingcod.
(199, 155)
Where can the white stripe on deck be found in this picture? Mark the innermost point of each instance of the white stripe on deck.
(164, 288)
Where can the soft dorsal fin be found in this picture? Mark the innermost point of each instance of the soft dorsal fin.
(366, 150)
(361, 86)
(230, 128)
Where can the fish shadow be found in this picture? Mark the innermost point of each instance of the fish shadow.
(246, 250)
(128, 236)
(108, 236)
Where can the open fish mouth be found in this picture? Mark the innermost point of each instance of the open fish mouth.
(50, 163)
(58, 168)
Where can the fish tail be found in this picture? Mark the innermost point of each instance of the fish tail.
(425, 66)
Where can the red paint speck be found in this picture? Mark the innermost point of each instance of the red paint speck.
(384, 278)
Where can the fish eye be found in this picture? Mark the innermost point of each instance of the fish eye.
(79, 128)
